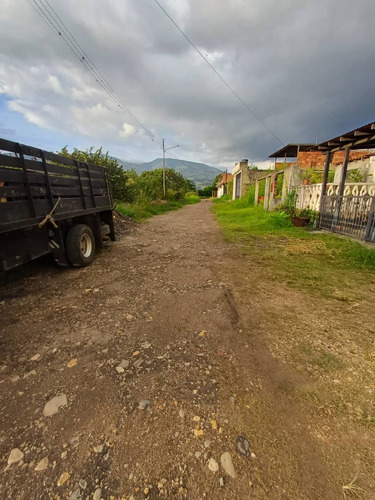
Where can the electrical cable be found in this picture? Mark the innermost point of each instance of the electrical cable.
(67, 37)
(57, 25)
(239, 98)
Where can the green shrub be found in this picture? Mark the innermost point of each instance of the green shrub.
(289, 205)
(122, 181)
(316, 176)
(355, 176)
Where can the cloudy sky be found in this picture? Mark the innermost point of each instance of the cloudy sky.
(306, 68)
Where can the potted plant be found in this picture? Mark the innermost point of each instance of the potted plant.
(304, 217)
(299, 220)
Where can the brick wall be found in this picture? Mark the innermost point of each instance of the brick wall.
(224, 179)
(316, 159)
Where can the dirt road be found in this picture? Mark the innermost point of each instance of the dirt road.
(161, 351)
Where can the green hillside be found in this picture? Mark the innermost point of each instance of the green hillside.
(200, 173)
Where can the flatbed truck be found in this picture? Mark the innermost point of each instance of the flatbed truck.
(51, 204)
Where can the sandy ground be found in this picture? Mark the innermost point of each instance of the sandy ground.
(163, 348)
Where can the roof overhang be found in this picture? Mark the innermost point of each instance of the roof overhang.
(292, 150)
(359, 138)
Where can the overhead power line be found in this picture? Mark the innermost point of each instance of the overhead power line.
(59, 27)
(238, 97)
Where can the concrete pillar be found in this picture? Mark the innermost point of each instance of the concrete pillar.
(285, 184)
(271, 194)
(337, 177)
(267, 193)
(256, 197)
(371, 170)
(294, 177)
(325, 178)
(341, 189)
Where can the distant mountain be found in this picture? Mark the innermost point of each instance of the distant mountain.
(201, 174)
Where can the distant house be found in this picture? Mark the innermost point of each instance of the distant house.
(243, 178)
(222, 184)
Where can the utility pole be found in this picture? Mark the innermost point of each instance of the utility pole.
(164, 191)
(164, 150)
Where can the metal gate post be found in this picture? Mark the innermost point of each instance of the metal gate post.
(370, 219)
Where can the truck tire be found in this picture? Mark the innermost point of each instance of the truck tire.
(80, 245)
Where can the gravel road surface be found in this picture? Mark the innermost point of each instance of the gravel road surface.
(147, 375)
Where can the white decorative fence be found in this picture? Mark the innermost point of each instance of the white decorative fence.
(352, 189)
(309, 196)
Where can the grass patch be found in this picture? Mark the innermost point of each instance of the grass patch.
(322, 360)
(324, 264)
(144, 210)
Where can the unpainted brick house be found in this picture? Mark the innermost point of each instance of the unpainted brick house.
(222, 184)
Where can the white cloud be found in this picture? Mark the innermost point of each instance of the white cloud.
(30, 115)
(293, 73)
(93, 121)
(127, 130)
(54, 83)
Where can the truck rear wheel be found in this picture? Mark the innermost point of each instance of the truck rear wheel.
(80, 245)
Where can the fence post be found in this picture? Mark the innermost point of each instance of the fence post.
(266, 193)
(370, 218)
(324, 183)
(325, 178)
(256, 196)
(284, 191)
(341, 188)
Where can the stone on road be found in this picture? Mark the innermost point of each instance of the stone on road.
(52, 407)
(15, 456)
(227, 464)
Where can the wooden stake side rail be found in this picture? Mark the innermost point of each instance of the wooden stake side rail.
(31, 180)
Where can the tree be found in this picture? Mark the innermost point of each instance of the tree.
(150, 184)
(207, 191)
(122, 181)
(190, 186)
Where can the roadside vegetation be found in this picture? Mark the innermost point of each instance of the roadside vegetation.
(320, 263)
(144, 210)
(317, 291)
(140, 196)
(206, 192)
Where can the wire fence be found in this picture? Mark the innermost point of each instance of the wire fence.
(349, 215)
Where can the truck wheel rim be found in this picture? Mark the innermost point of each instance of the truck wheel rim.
(86, 245)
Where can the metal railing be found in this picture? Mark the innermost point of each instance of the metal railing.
(349, 215)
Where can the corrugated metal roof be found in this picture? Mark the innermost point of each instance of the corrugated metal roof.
(360, 138)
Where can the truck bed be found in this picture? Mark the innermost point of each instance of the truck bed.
(32, 180)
